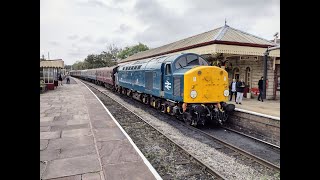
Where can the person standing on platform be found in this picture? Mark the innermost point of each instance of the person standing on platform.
(240, 89)
(233, 90)
(260, 85)
(60, 79)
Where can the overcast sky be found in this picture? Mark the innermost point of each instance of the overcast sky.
(72, 29)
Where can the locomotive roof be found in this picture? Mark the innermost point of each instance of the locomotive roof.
(151, 63)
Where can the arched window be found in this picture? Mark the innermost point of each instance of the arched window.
(248, 77)
(236, 73)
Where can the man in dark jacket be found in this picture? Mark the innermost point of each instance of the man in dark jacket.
(240, 89)
(260, 85)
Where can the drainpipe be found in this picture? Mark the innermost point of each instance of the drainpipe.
(265, 65)
(265, 60)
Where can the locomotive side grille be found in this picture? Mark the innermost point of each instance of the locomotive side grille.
(149, 80)
(176, 87)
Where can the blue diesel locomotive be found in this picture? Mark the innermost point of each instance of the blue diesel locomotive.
(182, 85)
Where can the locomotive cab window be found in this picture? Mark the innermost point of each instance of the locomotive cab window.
(168, 69)
(190, 60)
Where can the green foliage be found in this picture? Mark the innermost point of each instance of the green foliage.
(129, 51)
(104, 59)
(67, 67)
(109, 57)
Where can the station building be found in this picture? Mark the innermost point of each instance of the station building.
(49, 72)
(239, 53)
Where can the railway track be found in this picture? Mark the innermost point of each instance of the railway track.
(170, 159)
(222, 146)
(235, 151)
(254, 138)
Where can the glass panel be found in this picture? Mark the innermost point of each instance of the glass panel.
(181, 62)
(45, 75)
(203, 62)
(50, 75)
(168, 69)
(192, 60)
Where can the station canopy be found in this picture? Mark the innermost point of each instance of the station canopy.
(52, 63)
(224, 39)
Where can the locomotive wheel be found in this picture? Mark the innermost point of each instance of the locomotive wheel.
(187, 118)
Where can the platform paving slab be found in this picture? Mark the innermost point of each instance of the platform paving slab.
(128, 171)
(43, 144)
(117, 151)
(91, 176)
(70, 127)
(108, 134)
(267, 107)
(77, 151)
(45, 128)
(49, 154)
(50, 135)
(46, 119)
(42, 167)
(77, 177)
(76, 132)
(70, 142)
(72, 166)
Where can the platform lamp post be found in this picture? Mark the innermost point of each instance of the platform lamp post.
(265, 60)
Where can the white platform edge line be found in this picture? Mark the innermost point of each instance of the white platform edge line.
(258, 114)
(153, 171)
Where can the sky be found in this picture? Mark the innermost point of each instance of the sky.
(72, 29)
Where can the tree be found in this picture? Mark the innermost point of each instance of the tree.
(79, 65)
(104, 59)
(131, 50)
(42, 58)
(67, 67)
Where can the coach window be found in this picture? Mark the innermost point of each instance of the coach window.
(168, 69)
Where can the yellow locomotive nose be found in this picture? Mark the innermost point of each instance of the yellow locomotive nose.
(206, 84)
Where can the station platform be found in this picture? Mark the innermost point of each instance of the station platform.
(81, 140)
(267, 107)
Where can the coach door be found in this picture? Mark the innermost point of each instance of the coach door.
(167, 81)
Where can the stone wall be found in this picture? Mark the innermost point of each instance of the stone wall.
(260, 127)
